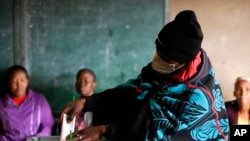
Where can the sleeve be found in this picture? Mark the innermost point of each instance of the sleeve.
(2, 136)
(47, 120)
(117, 107)
(113, 99)
(3, 131)
(117, 96)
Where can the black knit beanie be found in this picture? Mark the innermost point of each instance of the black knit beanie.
(181, 38)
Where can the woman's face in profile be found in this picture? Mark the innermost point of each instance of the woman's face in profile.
(242, 92)
(18, 83)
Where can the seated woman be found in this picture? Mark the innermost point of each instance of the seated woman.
(24, 112)
(238, 110)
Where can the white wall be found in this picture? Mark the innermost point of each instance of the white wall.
(226, 28)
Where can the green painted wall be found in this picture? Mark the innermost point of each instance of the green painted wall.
(6, 36)
(115, 38)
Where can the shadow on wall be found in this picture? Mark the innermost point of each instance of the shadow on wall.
(58, 90)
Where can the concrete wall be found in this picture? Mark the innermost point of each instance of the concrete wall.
(226, 28)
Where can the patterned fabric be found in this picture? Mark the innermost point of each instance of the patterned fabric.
(191, 109)
(195, 111)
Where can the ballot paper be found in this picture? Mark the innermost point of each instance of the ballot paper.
(67, 127)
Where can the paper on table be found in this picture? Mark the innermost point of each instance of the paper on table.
(66, 127)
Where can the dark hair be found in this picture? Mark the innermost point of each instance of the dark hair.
(86, 70)
(9, 73)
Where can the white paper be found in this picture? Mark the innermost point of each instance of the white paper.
(88, 118)
(67, 127)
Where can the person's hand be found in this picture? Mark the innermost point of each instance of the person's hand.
(93, 133)
(73, 108)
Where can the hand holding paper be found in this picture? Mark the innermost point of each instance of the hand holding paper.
(67, 128)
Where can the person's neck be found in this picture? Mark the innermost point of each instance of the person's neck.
(87, 94)
(244, 112)
(244, 109)
(243, 115)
